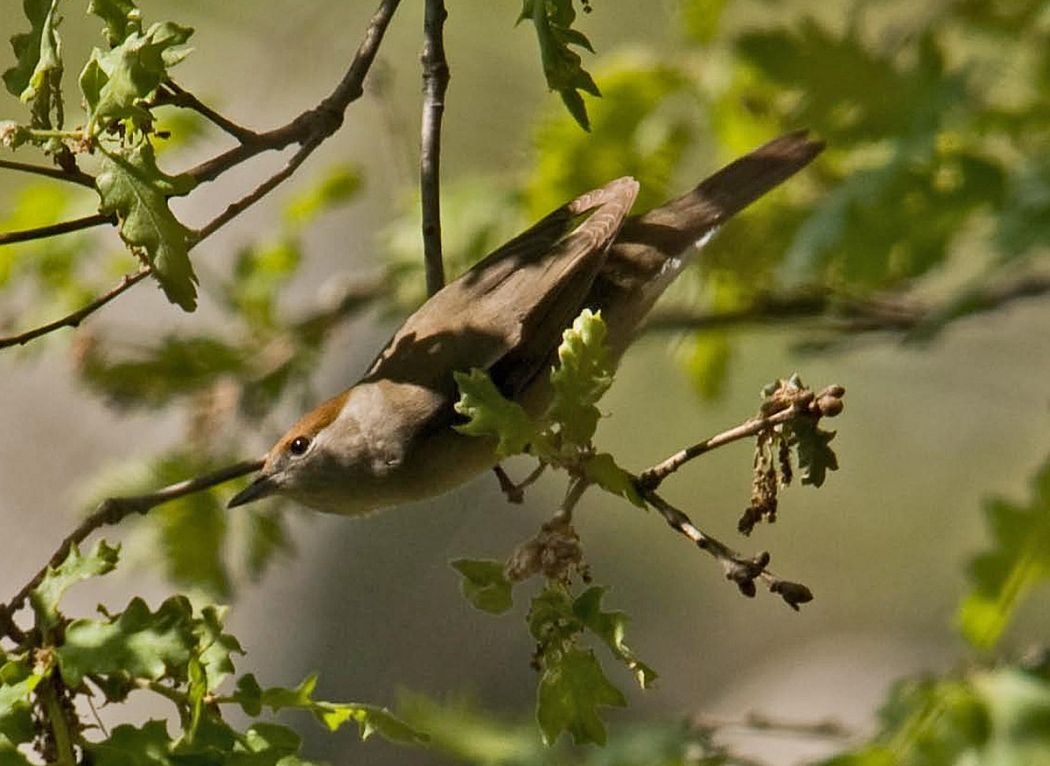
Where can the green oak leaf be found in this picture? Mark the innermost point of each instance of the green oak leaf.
(17, 682)
(1017, 562)
(121, 16)
(562, 66)
(610, 627)
(601, 469)
(115, 82)
(484, 585)
(582, 376)
(489, 413)
(570, 692)
(371, 719)
(815, 457)
(128, 745)
(131, 186)
(137, 642)
(45, 596)
(10, 755)
(36, 78)
(215, 648)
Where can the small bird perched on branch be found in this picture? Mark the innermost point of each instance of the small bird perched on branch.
(389, 438)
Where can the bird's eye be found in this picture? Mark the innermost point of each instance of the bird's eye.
(299, 445)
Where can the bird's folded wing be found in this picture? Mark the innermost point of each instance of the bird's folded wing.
(506, 313)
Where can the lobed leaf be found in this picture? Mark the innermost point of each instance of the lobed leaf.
(36, 77)
(135, 643)
(371, 719)
(44, 597)
(571, 690)
(485, 585)
(610, 628)
(562, 66)
(122, 19)
(1018, 561)
(132, 187)
(815, 457)
(17, 682)
(115, 82)
(582, 376)
(489, 413)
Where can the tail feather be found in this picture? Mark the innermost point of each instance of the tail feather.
(652, 248)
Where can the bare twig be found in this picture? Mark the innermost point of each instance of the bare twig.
(112, 511)
(54, 229)
(60, 174)
(435, 83)
(651, 478)
(238, 207)
(742, 571)
(75, 318)
(314, 124)
(171, 93)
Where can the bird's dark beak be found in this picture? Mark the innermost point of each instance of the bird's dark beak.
(263, 486)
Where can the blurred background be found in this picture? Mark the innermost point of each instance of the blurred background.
(934, 190)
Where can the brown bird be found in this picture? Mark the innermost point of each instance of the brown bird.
(388, 439)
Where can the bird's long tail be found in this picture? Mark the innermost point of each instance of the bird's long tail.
(652, 247)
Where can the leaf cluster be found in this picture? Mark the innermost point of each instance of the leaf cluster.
(177, 652)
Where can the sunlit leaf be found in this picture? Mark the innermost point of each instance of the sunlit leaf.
(581, 377)
(488, 413)
(115, 81)
(127, 745)
(135, 642)
(36, 78)
(122, 19)
(76, 567)
(132, 186)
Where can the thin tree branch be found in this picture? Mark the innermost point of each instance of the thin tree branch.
(170, 93)
(651, 478)
(435, 83)
(314, 124)
(238, 207)
(59, 174)
(112, 511)
(54, 229)
(805, 404)
(75, 318)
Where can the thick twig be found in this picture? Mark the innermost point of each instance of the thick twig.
(112, 511)
(171, 93)
(54, 229)
(651, 478)
(435, 83)
(75, 318)
(75, 176)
